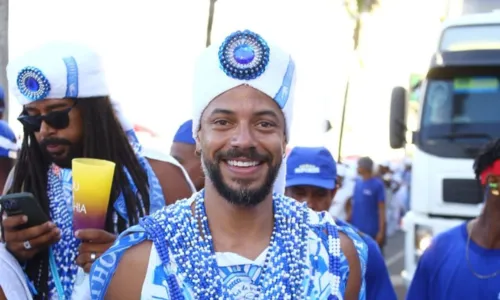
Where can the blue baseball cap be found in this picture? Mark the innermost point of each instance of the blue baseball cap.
(185, 134)
(311, 166)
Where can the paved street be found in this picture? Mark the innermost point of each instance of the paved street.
(394, 258)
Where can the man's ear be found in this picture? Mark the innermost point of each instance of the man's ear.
(198, 143)
(197, 151)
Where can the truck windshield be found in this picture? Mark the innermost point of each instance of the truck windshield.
(476, 37)
(461, 111)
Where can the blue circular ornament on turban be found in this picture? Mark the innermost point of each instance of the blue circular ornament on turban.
(33, 84)
(244, 55)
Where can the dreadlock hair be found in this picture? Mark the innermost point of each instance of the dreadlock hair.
(487, 156)
(103, 138)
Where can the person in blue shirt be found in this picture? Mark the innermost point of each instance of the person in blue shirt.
(464, 262)
(311, 177)
(183, 149)
(8, 146)
(368, 207)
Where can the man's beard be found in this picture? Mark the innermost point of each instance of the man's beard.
(243, 196)
(73, 151)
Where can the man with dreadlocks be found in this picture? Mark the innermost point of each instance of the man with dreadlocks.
(464, 262)
(67, 113)
(235, 239)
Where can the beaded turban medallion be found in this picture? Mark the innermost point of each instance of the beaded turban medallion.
(244, 55)
(33, 84)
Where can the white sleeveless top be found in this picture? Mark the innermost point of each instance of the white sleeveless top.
(160, 155)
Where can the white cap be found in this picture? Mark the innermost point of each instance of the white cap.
(57, 70)
(244, 57)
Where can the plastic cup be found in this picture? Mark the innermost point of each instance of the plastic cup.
(92, 180)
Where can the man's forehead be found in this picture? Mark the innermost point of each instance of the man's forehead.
(244, 99)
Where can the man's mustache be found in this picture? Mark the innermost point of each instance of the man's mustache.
(54, 142)
(250, 154)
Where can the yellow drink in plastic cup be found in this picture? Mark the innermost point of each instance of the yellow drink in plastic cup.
(92, 180)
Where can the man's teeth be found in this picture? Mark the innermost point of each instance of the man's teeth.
(243, 164)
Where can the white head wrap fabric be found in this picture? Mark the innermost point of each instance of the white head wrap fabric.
(57, 70)
(244, 57)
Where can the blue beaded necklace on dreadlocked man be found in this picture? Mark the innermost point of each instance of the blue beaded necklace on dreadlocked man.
(64, 275)
(303, 260)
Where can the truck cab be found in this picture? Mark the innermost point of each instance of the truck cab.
(458, 113)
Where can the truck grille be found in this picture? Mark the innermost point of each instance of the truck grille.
(462, 191)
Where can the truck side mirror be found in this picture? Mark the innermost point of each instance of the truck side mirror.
(397, 125)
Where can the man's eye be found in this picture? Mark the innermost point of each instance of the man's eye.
(266, 124)
(221, 122)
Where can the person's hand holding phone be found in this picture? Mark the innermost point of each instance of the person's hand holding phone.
(25, 243)
(94, 243)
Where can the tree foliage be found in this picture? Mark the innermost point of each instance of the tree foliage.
(210, 22)
(355, 8)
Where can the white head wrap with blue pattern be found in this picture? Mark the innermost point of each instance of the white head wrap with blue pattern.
(244, 57)
(57, 70)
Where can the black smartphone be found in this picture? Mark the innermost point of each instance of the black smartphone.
(24, 204)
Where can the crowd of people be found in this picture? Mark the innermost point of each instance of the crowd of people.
(365, 183)
(226, 215)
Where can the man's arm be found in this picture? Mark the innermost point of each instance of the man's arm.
(127, 285)
(354, 280)
(381, 214)
(378, 282)
(172, 181)
(348, 209)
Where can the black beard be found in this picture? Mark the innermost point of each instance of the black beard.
(244, 196)
(74, 151)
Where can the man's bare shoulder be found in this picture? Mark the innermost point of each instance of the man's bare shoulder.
(354, 281)
(126, 284)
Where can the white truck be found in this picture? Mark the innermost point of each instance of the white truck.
(459, 112)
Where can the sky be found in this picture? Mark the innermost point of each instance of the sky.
(149, 52)
(149, 49)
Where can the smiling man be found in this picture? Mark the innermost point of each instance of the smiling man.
(235, 239)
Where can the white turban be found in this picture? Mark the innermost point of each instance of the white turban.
(57, 70)
(244, 58)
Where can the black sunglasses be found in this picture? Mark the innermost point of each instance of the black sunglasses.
(58, 119)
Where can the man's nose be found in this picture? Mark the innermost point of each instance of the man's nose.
(301, 199)
(243, 137)
(313, 206)
(46, 130)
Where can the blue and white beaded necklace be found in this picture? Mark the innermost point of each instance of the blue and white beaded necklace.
(62, 257)
(285, 268)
